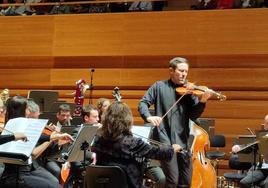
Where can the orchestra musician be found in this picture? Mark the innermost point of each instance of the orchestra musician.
(115, 145)
(102, 105)
(10, 137)
(54, 167)
(90, 115)
(174, 128)
(63, 116)
(33, 175)
(259, 176)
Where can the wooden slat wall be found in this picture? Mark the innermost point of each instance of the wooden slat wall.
(227, 52)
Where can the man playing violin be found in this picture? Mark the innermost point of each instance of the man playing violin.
(63, 115)
(174, 127)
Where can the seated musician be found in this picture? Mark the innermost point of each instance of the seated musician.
(115, 145)
(54, 167)
(90, 117)
(10, 137)
(102, 105)
(63, 116)
(31, 176)
(259, 176)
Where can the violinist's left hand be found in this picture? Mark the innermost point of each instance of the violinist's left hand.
(205, 96)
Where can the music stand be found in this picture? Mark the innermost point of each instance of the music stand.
(245, 155)
(68, 129)
(44, 98)
(84, 138)
(51, 116)
(77, 120)
(263, 143)
(208, 124)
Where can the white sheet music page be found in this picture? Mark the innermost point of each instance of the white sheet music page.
(142, 132)
(32, 128)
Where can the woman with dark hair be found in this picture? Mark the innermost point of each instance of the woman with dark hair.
(115, 145)
(30, 176)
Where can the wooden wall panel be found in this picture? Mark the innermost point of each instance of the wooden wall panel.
(245, 79)
(145, 62)
(21, 36)
(227, 53)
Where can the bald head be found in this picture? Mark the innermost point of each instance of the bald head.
(265, 123)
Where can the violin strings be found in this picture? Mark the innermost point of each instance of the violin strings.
(151, 140)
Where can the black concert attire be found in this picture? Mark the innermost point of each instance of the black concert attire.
(129, 153)
(6, 138)
(174, 128)
(28, 176)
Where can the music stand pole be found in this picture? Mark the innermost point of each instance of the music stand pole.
(254, 148)
(91, 86)
(84, 147)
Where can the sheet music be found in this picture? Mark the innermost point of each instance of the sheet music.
(32, 128)
(85, 134)
(141, 132)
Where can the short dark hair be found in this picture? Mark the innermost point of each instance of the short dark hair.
(64, 108)
(177, 60)
(87, 109)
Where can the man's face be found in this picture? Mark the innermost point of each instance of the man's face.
(93, 118)
(105, 105)
(265, 123)
(178, 76)
(63, 117)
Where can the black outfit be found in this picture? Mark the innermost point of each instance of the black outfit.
(129, 153)
(6, 138)
(174, 128)
(29, 176)
(48, 158)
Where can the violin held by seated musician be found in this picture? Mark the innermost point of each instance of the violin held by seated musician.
(191, 88)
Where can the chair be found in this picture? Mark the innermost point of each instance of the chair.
(234, 178)
(217, 141)
(105, 177)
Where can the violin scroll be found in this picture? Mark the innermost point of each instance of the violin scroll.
(116, 94)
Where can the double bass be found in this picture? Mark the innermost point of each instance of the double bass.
(204, 174)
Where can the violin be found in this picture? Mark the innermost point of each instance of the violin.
(49, 129)
(191, 88)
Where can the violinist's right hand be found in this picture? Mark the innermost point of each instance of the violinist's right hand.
(155, 120)
(177, 148)
(236, 148)
(20, 136)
